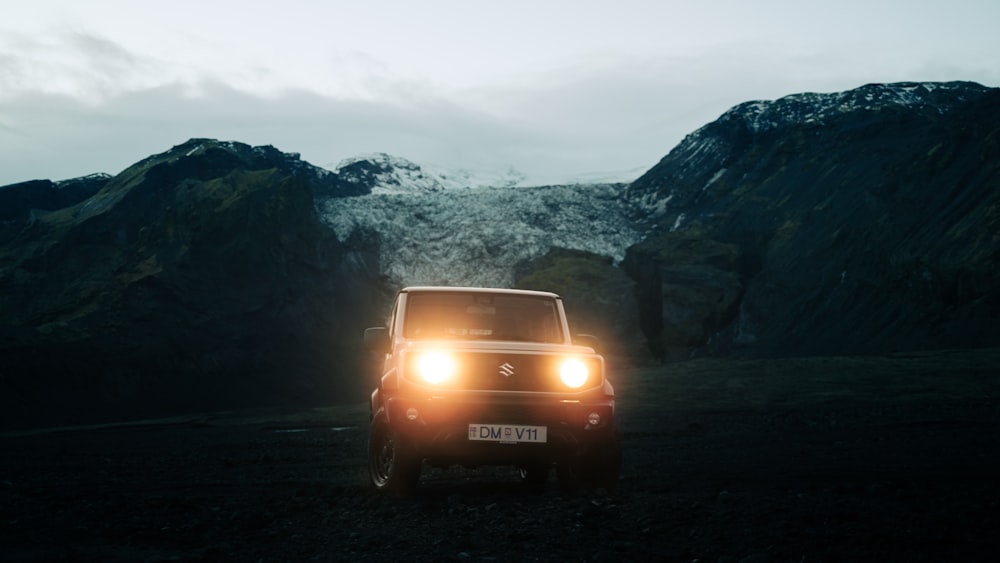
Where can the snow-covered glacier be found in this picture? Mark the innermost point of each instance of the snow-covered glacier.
(475, 236)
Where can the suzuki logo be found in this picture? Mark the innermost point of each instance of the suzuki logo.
(506, 369)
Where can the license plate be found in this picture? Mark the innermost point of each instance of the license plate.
(508, 433)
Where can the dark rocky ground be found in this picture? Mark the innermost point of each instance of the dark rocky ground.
(820, 459)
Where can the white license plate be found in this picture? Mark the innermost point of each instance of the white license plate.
(508, 433)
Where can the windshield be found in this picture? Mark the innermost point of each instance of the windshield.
(472, 316)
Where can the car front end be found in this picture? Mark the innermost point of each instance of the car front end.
(476, 376)
(474, 405)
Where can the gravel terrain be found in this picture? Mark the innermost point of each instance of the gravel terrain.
(891, 458)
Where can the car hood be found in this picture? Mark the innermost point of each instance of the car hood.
(496, 346)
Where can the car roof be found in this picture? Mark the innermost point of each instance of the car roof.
(491, 290)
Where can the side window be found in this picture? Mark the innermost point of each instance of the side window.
(543, 324)
(392, 317)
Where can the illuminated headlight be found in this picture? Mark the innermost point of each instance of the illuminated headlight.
(435, 367)
(573, 373)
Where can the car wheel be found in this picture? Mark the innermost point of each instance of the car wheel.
(393, 465)
(607, 464)
(569, 472)
(534, 474)
(598, 467)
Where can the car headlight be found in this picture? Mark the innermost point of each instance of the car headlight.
(435, 367)
(573, 373)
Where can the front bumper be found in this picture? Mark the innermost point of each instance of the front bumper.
(438, 426)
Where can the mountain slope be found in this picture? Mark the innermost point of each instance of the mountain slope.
(862, 221)
(197, 278)
(18, 201)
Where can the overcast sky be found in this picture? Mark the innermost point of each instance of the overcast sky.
(556, 89)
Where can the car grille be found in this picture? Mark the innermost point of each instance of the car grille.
(511, 371)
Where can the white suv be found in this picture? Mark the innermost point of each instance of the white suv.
(478, 376)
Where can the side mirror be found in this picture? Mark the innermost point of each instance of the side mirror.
(588, 340)
(377, 339)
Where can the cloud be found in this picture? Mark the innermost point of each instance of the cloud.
(610, 116)
(562, 101)
(84, 66)
(57, 136)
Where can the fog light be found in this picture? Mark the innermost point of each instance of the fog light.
(411, 414)
(593, 419)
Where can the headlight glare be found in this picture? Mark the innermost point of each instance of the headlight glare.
(435, 367)
(573, 373)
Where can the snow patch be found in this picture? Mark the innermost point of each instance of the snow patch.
(94, 176)
(395, 175)
(677, 223)
(476, 236)
(713, 179)
(761, 115)
(660, 206)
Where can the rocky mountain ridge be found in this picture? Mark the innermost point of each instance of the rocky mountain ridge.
(856, 222)
(382, 173)
(701, 158)
(814, 107)
(30, 198)
(199, 278)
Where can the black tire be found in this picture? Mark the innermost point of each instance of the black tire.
(608, 465)
(598, 467)
(393, 464)
(535, 474)
(569, 472)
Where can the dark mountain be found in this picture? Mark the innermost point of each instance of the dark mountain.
(18, 201)
(197, 278)
(858, 222)
(598, 296)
